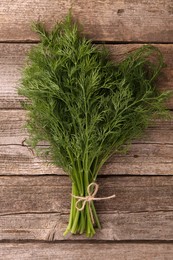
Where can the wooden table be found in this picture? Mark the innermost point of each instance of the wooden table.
(34, 196)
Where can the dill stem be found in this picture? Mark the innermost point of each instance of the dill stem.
(82, 222)
(95, 215)
(71, 217)
(80, 171)
(75, 223)
(75, 212)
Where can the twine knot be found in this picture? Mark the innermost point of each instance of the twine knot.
(89, 198)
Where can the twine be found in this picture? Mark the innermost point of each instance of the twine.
(89, 198)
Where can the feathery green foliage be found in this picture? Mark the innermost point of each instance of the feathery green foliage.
(86, 106)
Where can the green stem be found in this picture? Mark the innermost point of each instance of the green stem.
(81, 177)
(80, 221)
(74, 228)
(95, 215)
(71, 217)
(90, 228)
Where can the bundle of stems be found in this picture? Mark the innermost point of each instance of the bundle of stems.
(86, 106)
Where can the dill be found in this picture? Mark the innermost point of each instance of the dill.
(86, 106)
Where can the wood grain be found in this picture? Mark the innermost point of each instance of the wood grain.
(116, 226)
(81, 251)
(13, 58)
(142, 159)
(31, 207)
(106, 20)
(151, 155)
(13, 131)
(35, 196)
(41, 194)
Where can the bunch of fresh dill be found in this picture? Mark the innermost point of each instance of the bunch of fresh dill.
(86, 106)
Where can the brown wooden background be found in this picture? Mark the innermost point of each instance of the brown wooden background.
(34, 197)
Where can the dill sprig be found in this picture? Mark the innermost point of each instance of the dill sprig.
(86, 106)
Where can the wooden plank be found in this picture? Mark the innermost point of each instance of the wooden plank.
(12, 127)
(13, 56)
(150, 155)
(40, 194)
(142, 159)
(32, 208)
(13, 132)
(116, 226)
(12, 59)
(99, 251)
(102, 20)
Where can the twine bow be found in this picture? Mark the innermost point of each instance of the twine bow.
(89, 198)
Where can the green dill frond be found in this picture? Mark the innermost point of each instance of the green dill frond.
(81, 103)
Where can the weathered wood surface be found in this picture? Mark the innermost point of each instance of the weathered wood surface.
(151, 155)
(80, 251)
(13, 131)
(30, 207)
(35, 197)
(13, 57)
(117, 226)
(142, 159)
(52, 194)
(106, 20)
